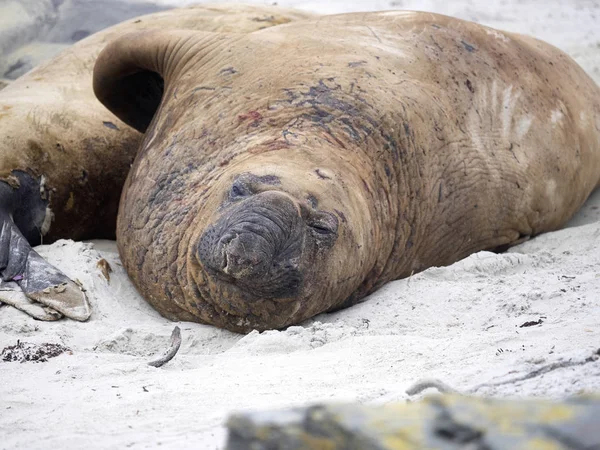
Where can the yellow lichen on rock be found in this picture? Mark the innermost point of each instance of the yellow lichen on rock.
(439, 422)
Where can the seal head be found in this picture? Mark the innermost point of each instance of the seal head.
(272, 242)
(264, 237)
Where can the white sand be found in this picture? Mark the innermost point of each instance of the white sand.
(460, 324)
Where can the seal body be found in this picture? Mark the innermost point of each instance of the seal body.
(64, 157)
(298, 169)
(53, 126)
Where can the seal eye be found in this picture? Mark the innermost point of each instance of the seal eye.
(320, 229)
(323, 224)
(239, 190)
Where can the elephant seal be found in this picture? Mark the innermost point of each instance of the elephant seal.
(296, 169)
(64, 157)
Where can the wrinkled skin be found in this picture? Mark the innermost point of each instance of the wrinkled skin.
(297, 169)
(53, 126)
(64, 157)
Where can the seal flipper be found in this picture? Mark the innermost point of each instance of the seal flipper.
(11, 294)
(46, 284)
(22, 266)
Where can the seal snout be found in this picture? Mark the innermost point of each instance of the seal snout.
(256, 245)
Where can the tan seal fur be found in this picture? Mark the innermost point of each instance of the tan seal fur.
(384, 143)
(78, 154)
(53, 126)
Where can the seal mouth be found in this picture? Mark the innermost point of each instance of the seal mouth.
(243, 254)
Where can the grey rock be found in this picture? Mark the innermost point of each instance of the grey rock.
(24, 21)
(33, 31)
(441, 422)
(78, 19)
(27, 57)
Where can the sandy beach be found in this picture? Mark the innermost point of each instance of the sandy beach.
(519, 324)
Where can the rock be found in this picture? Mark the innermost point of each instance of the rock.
(27, 57)
(23, 21)
(33, 31)
(77, 19)
(445, 422)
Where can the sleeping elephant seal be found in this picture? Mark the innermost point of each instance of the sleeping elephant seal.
(64, 157)
(296, 169)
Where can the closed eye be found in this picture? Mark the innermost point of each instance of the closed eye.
(321, 229)
(239, 190)
(323, 223)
